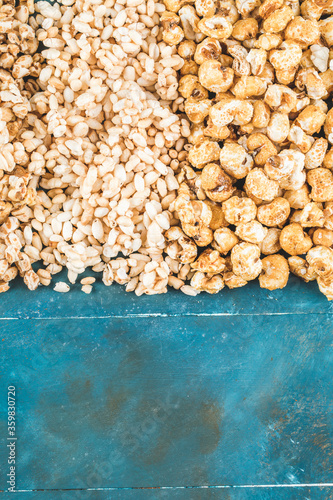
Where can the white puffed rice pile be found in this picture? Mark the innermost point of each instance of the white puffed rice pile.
(99, 143)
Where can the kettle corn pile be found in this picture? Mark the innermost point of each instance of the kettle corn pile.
(185, 144)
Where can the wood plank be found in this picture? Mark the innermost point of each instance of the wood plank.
(255, 493)
(164, 402)
(297, 298)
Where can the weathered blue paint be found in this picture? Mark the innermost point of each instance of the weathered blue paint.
(297, 298)
(211, 493)
(120, 392)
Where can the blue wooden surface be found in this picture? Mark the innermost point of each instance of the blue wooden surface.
(118, 393)
(296, 298)
(212, 493)
(306, 493)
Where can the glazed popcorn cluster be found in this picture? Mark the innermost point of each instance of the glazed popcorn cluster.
(186, 144)
(255, 195)
(20, 65)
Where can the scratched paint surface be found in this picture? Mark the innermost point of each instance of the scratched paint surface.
(297, 298)
(176, 399)
(111, 398)
(183, 494)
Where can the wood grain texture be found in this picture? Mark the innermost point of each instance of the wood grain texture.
(107, 302)
(171, 401)
(303, 493)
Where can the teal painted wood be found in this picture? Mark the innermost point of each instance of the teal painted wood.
(171, 401)
(297, 298)
(225, 390)
(212, 493)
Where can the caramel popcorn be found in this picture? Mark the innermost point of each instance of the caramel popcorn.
(294, 240)
(216, 183)
(252, 232)
(267, 67)
(224, 240)
(207, 283)
(275, 213)
(321, 181)
(325, 285)
(209, 261)
(180, 247)
(172, 33)
(275, 272)
(215, 77)
(245, 259)
(323, 237)
(321, 259)
(239, 210)
(271, 242)
(203, 153)
(302, 269)
(216, 26)
(259, 185)
(235, 160)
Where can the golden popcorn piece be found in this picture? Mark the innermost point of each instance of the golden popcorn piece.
(237, 210)
(214, 77)
(245, 259)
(206, 152)
(271, 242)
(321, 181)
(252, 232)
(275, 213)
(321, 259)
(275, 272)
(224, 240)
(259, 185)
(216, 183)
(294, 240)
(210, 261)
(216, 26)
(207, 283)
(235, 160)
(172, 33)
